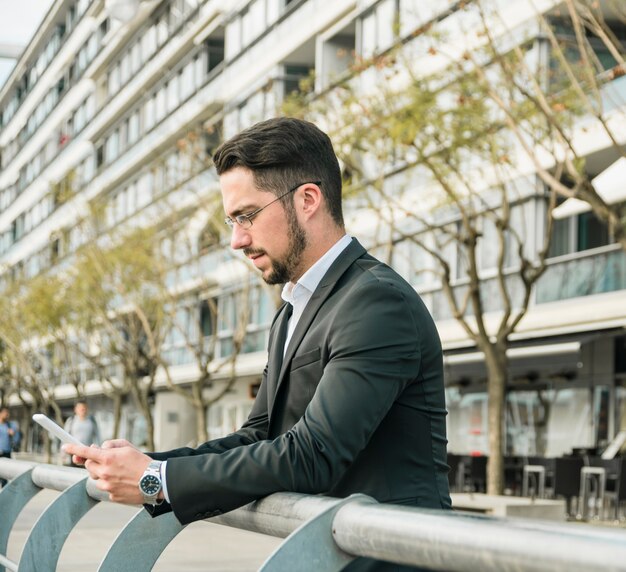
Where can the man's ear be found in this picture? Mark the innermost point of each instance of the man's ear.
(309, 199)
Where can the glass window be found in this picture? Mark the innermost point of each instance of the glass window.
(125, 69)
(173, 98)
(114, 81)
(578, 233)
(175, 15)
(162, 33)
(208, 309)
(92, 47)
(592, 233)
(120, 206)
(160, 108)
(246, 27)
(131, 196)
(135, 58)
(133, 127)
(143, 191)
(227, 317)
(233, 38)
(123, 135)
(256, 14)
(113, 146)
(368, 34)
(90, 107)
(214, 53)
(215, 421)
(561, 237)
(187, 84)
(79, 119)
(149, 114)
(199, 65)
(488, 245)
(110, 214)
(467, 422)
(377, 28)
(149, 43)
(172, 170)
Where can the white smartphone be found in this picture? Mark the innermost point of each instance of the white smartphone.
(55, 429)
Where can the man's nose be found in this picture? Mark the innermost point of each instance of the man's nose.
(239, 238)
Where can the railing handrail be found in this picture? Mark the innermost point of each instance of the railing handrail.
(325, 533)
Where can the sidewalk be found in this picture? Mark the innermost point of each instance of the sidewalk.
(199, 547)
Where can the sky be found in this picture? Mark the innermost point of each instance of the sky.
(19, 20)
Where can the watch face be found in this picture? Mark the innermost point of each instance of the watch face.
(150, 485)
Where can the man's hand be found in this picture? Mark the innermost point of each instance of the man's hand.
(110, 444)
(117, 468)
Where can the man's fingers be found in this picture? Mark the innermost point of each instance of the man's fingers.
(116, 443)
(93, 453)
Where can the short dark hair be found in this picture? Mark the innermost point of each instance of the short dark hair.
(80, 402)
(282, 152)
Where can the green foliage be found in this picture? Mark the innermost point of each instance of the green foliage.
(108, 279)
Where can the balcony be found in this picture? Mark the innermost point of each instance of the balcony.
(591, 272)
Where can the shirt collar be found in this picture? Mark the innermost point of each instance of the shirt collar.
(313, 276)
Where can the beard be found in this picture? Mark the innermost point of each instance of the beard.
(284, 269)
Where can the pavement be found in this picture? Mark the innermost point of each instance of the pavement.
(201, 546)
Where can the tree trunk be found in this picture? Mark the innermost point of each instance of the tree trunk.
(149, 427)
(117, 414)
(140, 395)
(202, 435)
(47, 447)
(496, 362)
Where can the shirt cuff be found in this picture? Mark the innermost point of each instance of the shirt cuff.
(163, 481)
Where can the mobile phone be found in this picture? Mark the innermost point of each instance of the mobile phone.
(55, 429)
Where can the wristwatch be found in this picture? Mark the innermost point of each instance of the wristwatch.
(150, 483)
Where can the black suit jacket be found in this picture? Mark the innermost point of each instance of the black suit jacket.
(356, 405)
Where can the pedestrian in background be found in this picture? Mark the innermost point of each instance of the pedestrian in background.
(10, 436)
(83, 425)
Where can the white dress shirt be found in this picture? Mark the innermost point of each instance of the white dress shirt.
(299, 294)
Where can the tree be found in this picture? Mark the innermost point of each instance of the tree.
(584, 57)
(26, 358)
(114, 291)
(445, 161)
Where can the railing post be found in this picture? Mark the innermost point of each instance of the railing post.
(311, 547)
(13, 498)
(140, 543)
(45, 541)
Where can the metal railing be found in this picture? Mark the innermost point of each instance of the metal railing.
(321, 533)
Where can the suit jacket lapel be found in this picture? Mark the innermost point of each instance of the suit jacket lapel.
(353, 251)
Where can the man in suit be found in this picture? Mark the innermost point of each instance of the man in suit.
(352, 397)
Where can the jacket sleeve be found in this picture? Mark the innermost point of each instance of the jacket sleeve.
(253, 430)
(372, 355)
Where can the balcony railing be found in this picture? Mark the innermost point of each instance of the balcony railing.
(583, 274)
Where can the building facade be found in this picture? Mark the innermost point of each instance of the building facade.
(102, 109)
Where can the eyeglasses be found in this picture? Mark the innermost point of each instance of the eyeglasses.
(245, 220)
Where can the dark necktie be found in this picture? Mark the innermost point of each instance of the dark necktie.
(284, 327)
